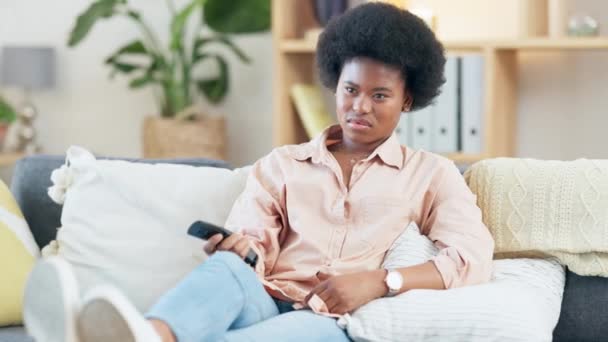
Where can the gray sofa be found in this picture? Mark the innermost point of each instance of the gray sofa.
(584, 315)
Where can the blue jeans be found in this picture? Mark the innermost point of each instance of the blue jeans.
(223, 300)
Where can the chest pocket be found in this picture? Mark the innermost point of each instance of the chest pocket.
(376, 222)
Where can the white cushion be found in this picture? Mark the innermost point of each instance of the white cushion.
(126, 223)
(521, 303)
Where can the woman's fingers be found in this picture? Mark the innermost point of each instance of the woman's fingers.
(330, 301)
(316, 290)
(236, 243)
(326, 296)
(242, 247)
(211, 245)
(228, 243)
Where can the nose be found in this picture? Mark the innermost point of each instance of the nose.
(362, 104)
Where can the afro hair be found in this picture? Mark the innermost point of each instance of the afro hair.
(389, 35)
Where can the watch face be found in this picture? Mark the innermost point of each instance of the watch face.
(394, 280)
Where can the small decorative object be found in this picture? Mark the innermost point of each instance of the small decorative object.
(27, 68)
(557, 18)
(327, 9)
(7, 116)
(582, 25)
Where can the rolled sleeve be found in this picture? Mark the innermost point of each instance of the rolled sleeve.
(258, 212)
(455, 226)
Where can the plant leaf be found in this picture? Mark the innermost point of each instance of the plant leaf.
(179, 23)
(7, 113)
(215, 89)
(124, 68)
(85, 21)
(237, 16)
(200, 42)
(135, 47)
(148, 77)
(141, 81)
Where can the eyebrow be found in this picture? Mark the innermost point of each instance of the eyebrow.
(375, 89)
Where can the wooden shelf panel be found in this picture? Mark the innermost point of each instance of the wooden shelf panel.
(298, 46)
(599, 43)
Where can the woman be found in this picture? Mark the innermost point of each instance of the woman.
(321, 215)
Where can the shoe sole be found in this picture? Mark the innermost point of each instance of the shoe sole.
(104, 316)
(50, 302)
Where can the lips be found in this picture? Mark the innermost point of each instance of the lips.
(359, 121)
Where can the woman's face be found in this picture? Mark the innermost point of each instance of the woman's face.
(370, 98)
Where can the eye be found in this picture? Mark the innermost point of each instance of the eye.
(350, 90)
(380, 96)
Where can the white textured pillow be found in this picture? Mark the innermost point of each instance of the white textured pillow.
(125, 223)
(521, 303)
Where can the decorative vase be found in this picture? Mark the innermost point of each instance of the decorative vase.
(204, 137)
(327, 9)
(557, 18)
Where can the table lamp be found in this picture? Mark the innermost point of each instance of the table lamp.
(28, 68)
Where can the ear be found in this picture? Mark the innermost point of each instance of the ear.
(407, 102)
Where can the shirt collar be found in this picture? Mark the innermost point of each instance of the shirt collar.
(390, 151)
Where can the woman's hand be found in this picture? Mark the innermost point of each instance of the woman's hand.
(235, 243)
(346, 293)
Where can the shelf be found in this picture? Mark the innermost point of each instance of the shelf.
(295, 33)
(8, 159)
(598, 43)
(298, 45)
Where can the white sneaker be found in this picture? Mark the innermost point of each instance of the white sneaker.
(50, 302)
(106, 315)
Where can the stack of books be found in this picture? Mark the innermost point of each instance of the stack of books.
(308, 100)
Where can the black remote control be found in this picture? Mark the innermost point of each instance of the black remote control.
(205, 230)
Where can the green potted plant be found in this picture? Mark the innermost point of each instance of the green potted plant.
(169, 67)
(7, 116)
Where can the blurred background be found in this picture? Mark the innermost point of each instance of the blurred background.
(561, 93)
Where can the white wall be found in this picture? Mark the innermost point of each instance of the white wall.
(89, 109)
(562, 96)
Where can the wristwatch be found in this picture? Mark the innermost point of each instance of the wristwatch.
(394, 282)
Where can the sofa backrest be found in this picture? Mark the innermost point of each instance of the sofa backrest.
(32, 178)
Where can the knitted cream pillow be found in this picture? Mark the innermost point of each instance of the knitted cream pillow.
(557, 208)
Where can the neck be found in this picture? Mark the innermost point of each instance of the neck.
(360, 148)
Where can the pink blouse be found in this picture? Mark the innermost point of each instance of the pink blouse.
(302, 219)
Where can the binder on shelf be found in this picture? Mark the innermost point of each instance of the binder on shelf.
(472, 95)
(444, 127)
(421, 121)
(309, 104)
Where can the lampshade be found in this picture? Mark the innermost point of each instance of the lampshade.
(28, 67)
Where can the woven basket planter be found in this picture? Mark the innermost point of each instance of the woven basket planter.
(169, 138)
